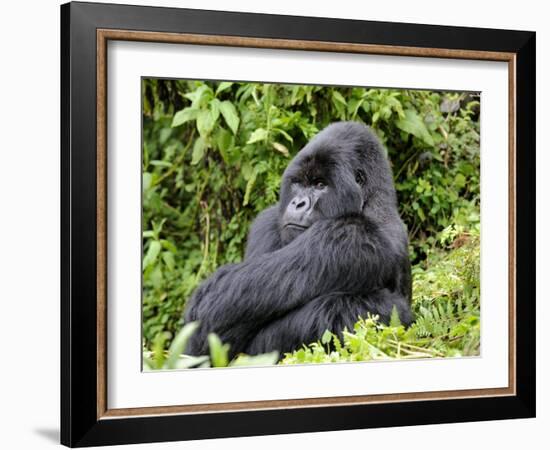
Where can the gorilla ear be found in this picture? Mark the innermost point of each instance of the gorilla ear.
(360, 177)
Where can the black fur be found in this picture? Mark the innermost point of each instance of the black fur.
(352, 259)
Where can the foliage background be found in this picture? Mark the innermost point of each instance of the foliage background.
(213, 156)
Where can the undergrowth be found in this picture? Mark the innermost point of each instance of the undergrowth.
(447, 321)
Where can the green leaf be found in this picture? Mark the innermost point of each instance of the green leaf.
(206, 120)
(164, 135)
(177, 347)
(247, 170)
(159, 163)
(265, 359)
(338, 97)
(218, 352)
(249, 186)
(280, 148)
(185, 115)
(230, 115)
(326, 337)
(200, 96)
(191, 361)
(260, 134)
(169, 260)
(152, 253)
(354, 106)
(460, 181)
(215, 108)
(198, 150)
(287, 136)
(158, 349)
(395, 321)
(223, 86)
(224, 140)
(146, 180)
(166, 244)
(413, 124)
(421, 214)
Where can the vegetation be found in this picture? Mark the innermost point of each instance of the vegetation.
(174, 359)
(213, 155)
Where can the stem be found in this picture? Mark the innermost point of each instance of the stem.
(177, 162)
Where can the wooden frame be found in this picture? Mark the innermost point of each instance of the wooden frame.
(86, 418)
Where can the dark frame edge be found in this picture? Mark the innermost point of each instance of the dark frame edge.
(65, 334)
(169, 428)
(525, 223)
(78, 226)
(79, 427)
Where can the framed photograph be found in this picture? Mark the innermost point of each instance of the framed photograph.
(277, 224)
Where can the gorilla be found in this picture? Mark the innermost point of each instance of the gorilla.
(332, 250)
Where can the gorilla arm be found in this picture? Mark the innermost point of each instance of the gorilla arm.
(264, 236)
(350, 253)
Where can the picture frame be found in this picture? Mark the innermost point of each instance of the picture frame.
(86, 29)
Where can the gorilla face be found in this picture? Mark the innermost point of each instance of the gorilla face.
(342, 170)
(325, 180)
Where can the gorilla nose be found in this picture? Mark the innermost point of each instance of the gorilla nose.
(300, 204)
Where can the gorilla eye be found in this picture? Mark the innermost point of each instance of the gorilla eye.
(360, 177)
(319, 184)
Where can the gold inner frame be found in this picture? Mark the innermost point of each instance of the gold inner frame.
(104, 35)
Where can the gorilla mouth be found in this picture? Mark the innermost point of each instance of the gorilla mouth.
(296, 226)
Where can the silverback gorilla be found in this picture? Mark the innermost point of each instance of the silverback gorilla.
(333, 249)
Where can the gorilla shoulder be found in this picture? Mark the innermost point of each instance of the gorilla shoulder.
(264, 236)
